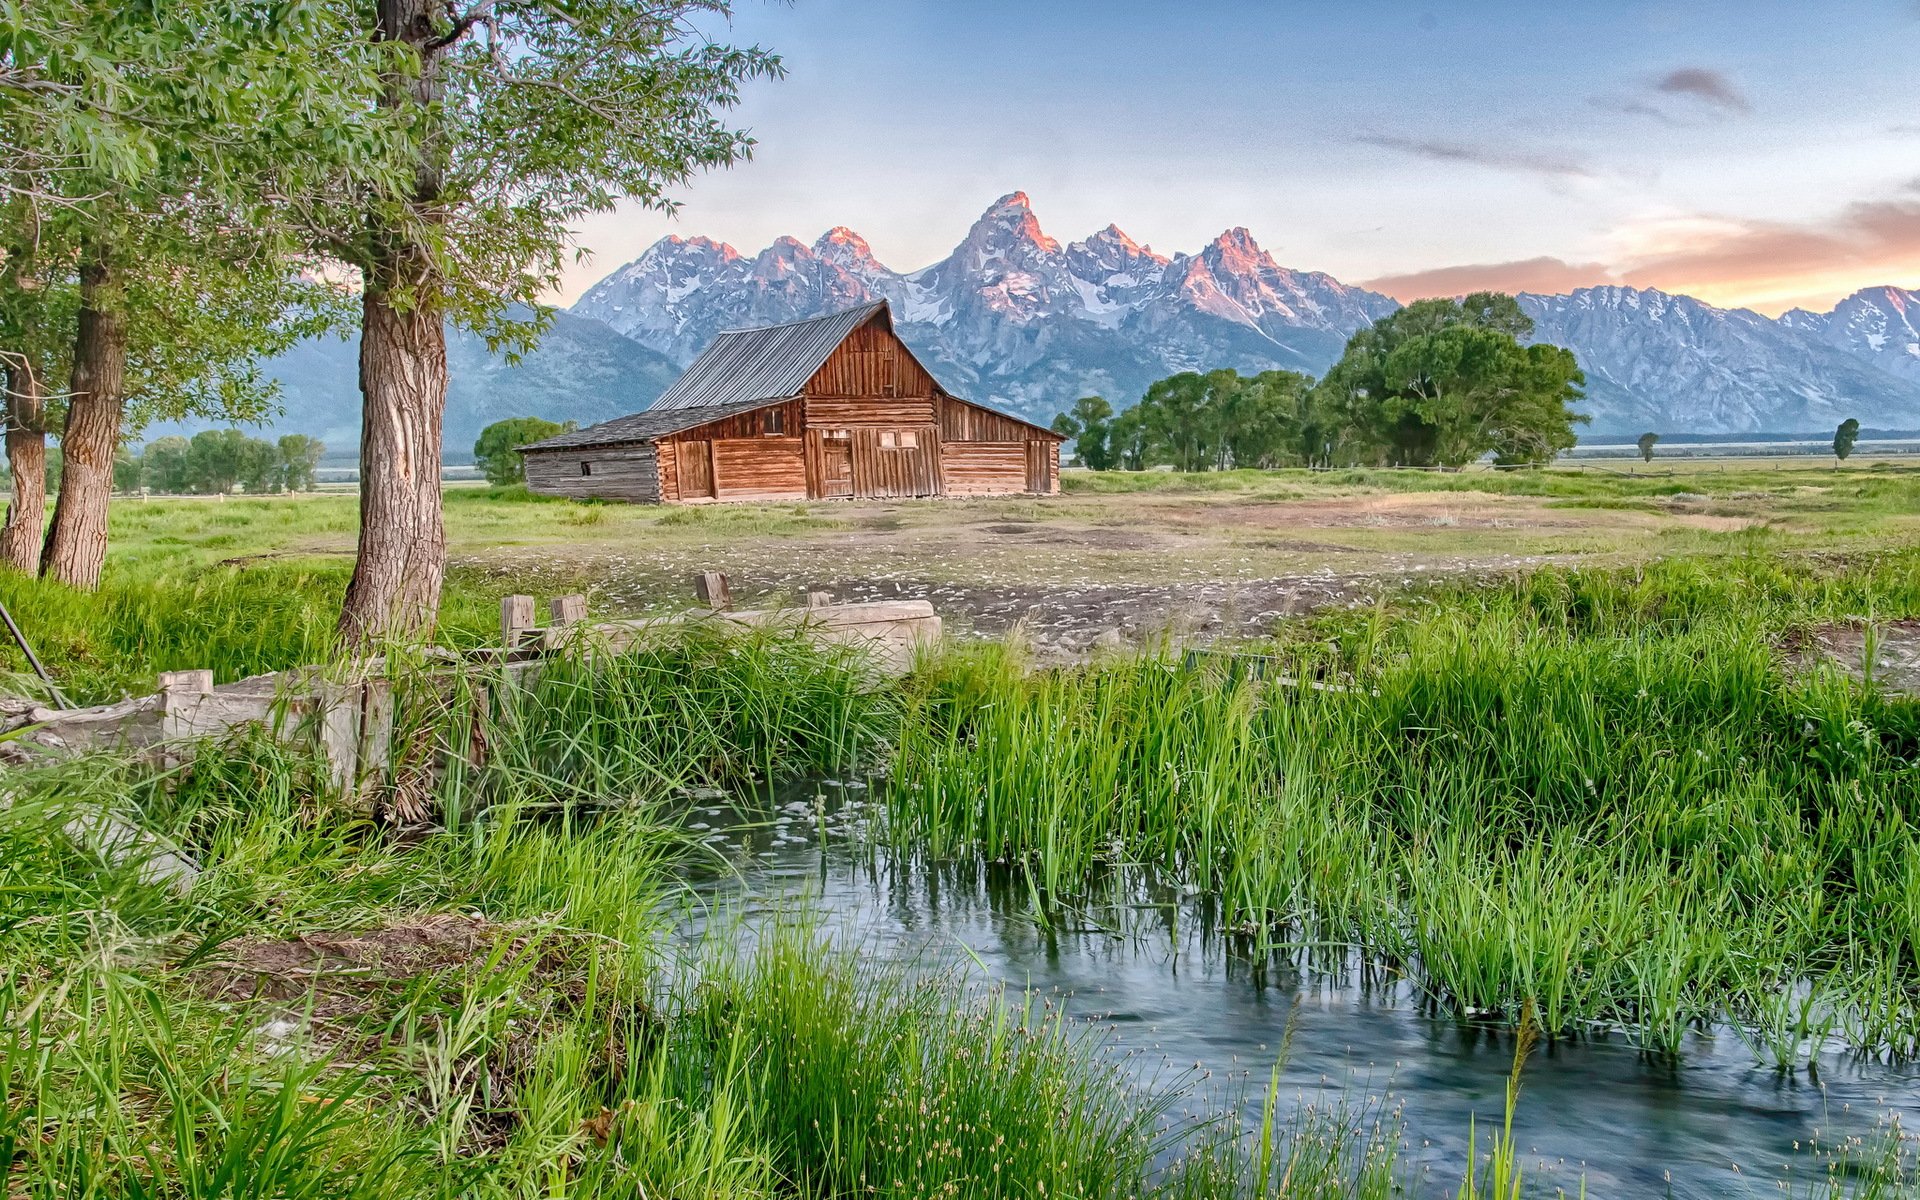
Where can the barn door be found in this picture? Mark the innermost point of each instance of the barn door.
(696, 470)
(836, 467)
(1039, 468)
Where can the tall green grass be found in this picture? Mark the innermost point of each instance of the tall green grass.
(1600, 797)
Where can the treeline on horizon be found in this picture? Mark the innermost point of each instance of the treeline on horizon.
(1439, 383)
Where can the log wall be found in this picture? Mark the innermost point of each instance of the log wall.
(614, 472)
(984, 468)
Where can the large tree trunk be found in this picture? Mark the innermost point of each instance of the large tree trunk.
(26, 523)
(77, 543)
(395, 589)
(403, 543)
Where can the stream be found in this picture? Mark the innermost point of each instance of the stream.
(1145, 961)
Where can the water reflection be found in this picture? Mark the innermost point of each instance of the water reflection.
(1152, 963)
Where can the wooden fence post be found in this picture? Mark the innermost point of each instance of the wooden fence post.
(713, 589)
(566, 610)
(180, 696)
(516, 619)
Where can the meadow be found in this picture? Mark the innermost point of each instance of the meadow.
(1628, 794)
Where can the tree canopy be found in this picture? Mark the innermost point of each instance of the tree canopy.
(1844, 438)
(1438, 383)
(1443, 382)
(494, 453)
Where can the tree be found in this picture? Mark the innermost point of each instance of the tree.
(1262, 418)
(1647, 442)
(163, 464)
(1442, 382)
(163, 147)
(494, 452)
(513, 119)
(127, 473)
(262, 472)
(217, 460)
(300, 461)
(1844, 438)
(1090, 425)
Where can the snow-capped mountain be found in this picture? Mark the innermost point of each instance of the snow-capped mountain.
(1665, 362)
(1011, 315)
(1014, 317)
(1877, 324)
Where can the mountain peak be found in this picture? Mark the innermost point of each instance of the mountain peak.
(843, 239)
(1009, 221)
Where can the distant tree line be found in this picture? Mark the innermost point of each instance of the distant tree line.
(1438, 383)
(219, 460)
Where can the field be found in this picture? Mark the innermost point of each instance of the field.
(245, 585)
(1577, 757)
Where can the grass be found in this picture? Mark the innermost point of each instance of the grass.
(1597, 797)
(494, 1008)
(1582, 799)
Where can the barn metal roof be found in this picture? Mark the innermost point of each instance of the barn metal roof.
(644, 426)
(769, 363)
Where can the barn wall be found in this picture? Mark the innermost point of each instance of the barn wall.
(895, 472)
(618, 472)
(871, 362)
(763, 468)
(750, 424)
(853, 412)
(963, 422)
(984, 468)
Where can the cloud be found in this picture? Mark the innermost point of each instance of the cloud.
(1699, 91)
(1766, 265)
(1499, 157)
(1544, 274)
(1706, 86)
(1771, 265)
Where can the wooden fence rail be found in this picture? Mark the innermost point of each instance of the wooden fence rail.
(348, 713)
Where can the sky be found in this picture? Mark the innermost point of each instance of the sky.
(1758, 153)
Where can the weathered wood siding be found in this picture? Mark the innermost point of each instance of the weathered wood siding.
(612, 472)
(871, 364)
(752, 455)
(851, 412)
(895, 472)
(984, 468)
(1042, 466)
(763, 468)
(963, 422)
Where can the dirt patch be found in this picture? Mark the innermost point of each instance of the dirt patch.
(1070, 622)
(370, 998)
(1888, 651)
(342, 971)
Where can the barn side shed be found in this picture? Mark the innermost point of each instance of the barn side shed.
(833, 407)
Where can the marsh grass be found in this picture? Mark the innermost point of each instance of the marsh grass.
(1599, 797)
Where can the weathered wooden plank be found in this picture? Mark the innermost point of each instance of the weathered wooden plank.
(713, 589)
(516, 620)
(566, 610)
(611, 472)
(760, 469)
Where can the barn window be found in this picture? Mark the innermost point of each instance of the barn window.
(835, 435)
(889, 440)
(774, 421)
(586, 468)
(899, 439)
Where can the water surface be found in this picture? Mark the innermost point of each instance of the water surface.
(1147, 961)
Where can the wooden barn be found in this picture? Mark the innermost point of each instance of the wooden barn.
(836, 406)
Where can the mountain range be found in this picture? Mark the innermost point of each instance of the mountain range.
(1014, 317)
